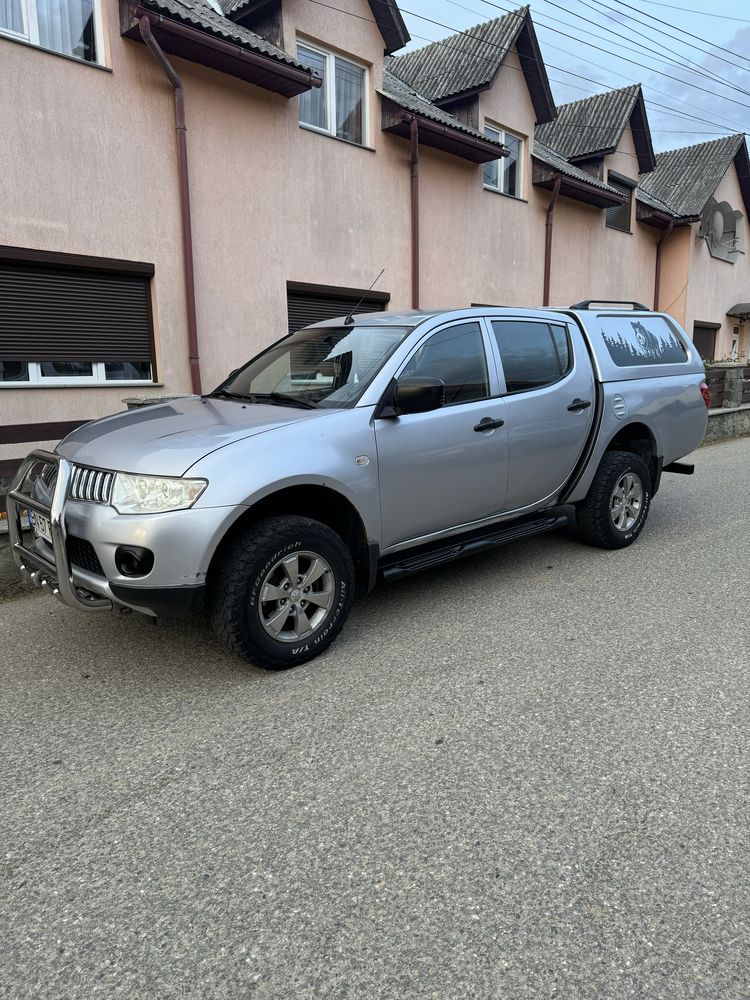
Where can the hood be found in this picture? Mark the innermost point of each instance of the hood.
(168, 438)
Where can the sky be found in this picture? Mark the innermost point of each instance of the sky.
(696, 80)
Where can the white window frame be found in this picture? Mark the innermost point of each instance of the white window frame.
(329, 89)
(97, 378)
(499, 136)
(31, 32)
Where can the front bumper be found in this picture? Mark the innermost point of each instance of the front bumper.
(182, 541)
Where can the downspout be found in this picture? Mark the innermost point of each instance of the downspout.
(144, 25)
(657, 278)
(548, 239)
(414, 133)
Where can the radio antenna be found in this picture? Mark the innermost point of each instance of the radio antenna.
(350, 318)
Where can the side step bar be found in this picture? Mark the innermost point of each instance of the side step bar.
(683, 468)
(458, 548)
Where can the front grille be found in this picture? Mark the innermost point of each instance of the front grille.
(90, 484)
(83, 555)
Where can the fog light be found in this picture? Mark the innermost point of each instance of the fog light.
(132, 560)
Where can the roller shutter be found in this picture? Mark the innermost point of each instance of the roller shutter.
(309, 307)
(71, 314)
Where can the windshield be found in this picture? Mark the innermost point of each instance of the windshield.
(318, 366)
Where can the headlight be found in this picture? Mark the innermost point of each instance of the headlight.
(154, 494)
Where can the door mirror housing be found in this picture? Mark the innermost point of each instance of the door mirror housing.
(418, 394)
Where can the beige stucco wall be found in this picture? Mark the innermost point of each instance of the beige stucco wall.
(590, 260)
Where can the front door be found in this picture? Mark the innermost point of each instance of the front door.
(440, 469)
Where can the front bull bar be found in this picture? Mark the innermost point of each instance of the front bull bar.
(53, 575)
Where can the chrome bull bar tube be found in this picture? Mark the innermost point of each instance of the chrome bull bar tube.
(53, 575)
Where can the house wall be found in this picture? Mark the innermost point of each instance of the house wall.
(716, 285)
(589, 260)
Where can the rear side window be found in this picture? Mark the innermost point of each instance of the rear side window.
(641, 340)
(533, 354)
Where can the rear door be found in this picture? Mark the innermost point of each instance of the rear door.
(443, 469)
(549, 404)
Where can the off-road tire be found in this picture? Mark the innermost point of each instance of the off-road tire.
(594, 514)
(235, 581)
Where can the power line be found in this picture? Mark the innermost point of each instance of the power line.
(683, 31)
(703, 71)
(505, 10)
(693, 10)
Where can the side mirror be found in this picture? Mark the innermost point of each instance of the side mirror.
(418, 394)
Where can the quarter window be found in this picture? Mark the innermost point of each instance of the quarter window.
(533, 354)
(455, 355)
(504, 175)
(339, 106)
(65, 26)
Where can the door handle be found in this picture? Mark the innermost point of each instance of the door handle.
(488, 424)
(579, 404)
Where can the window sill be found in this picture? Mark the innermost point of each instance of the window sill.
(76, 385)
(504, 194)
(51, 52)
(336, 138)
(614, 229)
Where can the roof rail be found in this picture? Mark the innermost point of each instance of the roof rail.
(587, 304)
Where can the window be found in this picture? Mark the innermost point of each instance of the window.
(68, 373)
(704, 339)
(619, 216)
(455, 355)
(646, 340)
(339, 106)
(505, 174)
(308, 304)
(72, 321)
(533, 354)
(66, 26)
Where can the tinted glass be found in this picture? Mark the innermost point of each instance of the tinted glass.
(312, 104)
(14, 371)
(642, 340)
(531, 357)
(455, 355)
(125, 370)
(560, 338)
(66, 369)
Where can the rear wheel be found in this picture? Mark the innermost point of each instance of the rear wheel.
(281, 591)
(617, 503)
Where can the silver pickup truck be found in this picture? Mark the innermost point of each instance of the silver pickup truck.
(373, 445)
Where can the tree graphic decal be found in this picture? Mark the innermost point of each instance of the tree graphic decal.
(633, 342)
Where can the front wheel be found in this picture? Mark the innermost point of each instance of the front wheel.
(617, 503)
(281, 591)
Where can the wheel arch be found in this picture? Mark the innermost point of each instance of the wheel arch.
(321, 503)
(638, 437)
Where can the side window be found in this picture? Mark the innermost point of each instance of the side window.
(455, 355)
(533, 354)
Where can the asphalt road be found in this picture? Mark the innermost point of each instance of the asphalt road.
(520, 776)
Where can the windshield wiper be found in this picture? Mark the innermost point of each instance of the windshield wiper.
(225, 394)
(287, 399)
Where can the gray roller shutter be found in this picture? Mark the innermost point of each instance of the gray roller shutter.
(307, 307)
(70, 314)
(618, 217)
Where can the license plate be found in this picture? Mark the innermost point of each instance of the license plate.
(41, 526)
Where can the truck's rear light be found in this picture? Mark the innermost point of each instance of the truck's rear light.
(706, 395)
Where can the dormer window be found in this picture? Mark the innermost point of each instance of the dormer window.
(505, 175)
(339, 107)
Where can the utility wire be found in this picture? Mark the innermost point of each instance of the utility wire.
(683, 31)
(693, 10)
(730, 126)
(687, 63)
